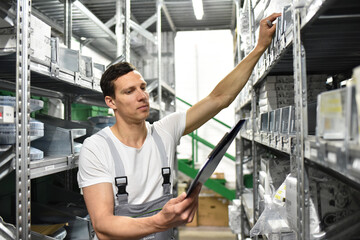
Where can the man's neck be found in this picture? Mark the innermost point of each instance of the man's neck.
(132, 135)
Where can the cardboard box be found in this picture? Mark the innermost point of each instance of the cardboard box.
(213, 211)
(218, 175)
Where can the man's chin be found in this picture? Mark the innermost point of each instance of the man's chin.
(145, 115)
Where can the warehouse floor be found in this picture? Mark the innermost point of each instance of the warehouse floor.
(202, 233)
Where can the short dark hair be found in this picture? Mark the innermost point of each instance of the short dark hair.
(111, 74)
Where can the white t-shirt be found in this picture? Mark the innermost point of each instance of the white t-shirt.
(142, 166)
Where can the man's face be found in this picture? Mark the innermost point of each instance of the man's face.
(131, 98)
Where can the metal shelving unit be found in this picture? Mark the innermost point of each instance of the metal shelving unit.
(321, 37)
(48, 79)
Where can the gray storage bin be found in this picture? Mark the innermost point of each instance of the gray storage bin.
(36, 154)
(8, 132)
(271, 121)
(35, 104)
(277, 120)
(264, 122)
(285, 120)
(58, 137)
(102, 121)
(77, 147)
(65, 58)
(86, 66)
(98, 71)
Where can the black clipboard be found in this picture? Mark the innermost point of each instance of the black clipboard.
(215, 157)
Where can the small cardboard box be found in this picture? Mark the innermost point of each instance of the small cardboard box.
(213, 211)
(218, 175)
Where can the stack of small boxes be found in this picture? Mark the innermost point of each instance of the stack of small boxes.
(276, 92)
(8, 126)
(245, 95)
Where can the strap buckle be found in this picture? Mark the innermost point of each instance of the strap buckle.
(121, 183)
(166, 172)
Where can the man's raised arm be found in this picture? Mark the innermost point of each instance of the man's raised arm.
(228, 88)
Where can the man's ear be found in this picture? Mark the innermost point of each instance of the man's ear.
(110, 102)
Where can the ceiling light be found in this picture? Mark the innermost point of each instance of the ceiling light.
(198, 9)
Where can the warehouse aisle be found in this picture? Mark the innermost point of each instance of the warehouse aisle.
(203, 233)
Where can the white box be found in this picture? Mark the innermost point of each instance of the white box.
(262, 178)
(40, 46)
(6, 114)
(291, 201)
(7, 43)
(356, 78)
(40, 34)
(331, 109)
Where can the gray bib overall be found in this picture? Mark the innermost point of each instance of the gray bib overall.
(123, 208)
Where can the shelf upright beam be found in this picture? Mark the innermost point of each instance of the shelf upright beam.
(238, 37)
(159, 4)
(254, 153)
(253, 117)
(300, 88)
(118, 29)
(240, 161)
(127, 30)
(67, 22)
(22, 118)
(240, 141)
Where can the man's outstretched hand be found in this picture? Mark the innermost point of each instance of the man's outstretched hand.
(266, 32)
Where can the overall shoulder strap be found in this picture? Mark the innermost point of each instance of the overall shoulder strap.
(165, 170)
(120, 177)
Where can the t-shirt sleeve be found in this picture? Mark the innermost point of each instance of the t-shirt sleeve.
(92, 165)
(174, 124)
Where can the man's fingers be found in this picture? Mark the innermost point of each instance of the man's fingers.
(272, 17)
(192, 214)
(181, 197)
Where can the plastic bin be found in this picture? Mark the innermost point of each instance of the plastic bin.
(59, 136)
(80, 112)
(264, 125)
(35, 104)
(102, 121)
(8, 132)
(36, 154)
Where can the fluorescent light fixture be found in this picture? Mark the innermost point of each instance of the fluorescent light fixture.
(198, 9)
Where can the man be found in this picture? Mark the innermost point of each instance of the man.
(124, 170)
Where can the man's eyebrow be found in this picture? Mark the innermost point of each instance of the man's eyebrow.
(127, 88)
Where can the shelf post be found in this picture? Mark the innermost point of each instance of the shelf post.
(22, 125)
(159, 4)
(67, 22)
(119, 29)
(300, 88)
(127, 30)
(238, 37)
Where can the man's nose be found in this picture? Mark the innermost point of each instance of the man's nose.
(142, 94)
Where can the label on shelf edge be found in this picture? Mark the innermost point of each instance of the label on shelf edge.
(50, 167)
